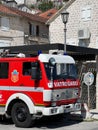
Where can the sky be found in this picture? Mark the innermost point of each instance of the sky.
(19, 1)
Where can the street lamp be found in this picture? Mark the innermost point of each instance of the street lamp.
(65, 16)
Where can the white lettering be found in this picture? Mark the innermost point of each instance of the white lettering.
(62, 83)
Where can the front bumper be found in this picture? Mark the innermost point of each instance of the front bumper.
(58, 109)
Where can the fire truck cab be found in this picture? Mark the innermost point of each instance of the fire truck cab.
(32, 87)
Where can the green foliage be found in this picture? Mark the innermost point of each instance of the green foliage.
(44, 6)
(32, 6)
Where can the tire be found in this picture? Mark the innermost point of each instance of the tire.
(21, 116)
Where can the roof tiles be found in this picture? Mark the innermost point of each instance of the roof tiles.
(13, 11)
(48, 14)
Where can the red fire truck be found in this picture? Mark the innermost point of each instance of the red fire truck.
(32, 87)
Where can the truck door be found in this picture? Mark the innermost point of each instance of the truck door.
(27, 74)
(4, 82)
(33, 85)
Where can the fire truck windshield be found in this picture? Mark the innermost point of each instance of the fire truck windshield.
(61, 71)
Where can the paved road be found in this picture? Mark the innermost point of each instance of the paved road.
(54, 124)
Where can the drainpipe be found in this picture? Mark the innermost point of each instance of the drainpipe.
(97, 82)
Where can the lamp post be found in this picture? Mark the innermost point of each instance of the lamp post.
(65, 16)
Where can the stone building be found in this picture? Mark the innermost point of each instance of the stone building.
(56, 26)
(81, 27)
(19, 28)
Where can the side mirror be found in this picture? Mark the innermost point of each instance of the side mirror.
(35, 71)
(52, 62)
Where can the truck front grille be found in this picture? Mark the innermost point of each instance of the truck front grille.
(63, 94)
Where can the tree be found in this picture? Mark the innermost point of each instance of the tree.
(44, 6)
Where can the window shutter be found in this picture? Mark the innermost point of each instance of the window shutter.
(83, 13)
(0, 21)
(86, 13)
(5, 23)
(33, 30)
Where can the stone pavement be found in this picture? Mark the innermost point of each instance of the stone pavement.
(94, 113)
(85, 115)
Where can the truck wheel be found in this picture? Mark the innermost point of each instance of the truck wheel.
(21, 116)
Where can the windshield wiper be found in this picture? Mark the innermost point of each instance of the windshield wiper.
(71, 77)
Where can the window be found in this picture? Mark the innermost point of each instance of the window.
(27, 68)
(4, 68)
(37, 30)
(4, 23)
(86, 13)
(33, 29)
(61, 71)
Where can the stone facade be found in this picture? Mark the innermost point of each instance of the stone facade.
(83, 16)
(19, 30)
(14, 35)
(56, 32)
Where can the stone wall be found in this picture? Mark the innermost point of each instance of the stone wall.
(18, 32)
(15, 33)
(76, 22)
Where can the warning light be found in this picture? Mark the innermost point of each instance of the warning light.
(39, 52)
